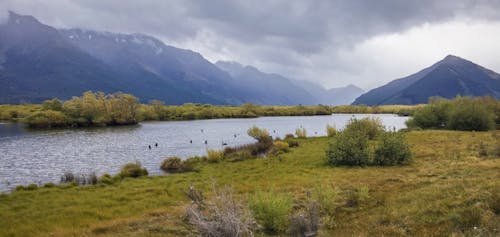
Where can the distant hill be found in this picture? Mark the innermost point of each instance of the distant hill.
(282, 90)
(273, 88)
(334, 96)
(447, 78)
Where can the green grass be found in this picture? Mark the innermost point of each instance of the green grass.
(447, 188)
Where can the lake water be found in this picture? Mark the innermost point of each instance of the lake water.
(31, 156)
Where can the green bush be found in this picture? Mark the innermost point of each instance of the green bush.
(133, 170)
(239, 155)
(214, 156)
(282, 146)
(468, 114)
(172, 165)
(331, 131)
(49, 185)
(434, 115)
(326, 196)
(289, 136)
(292, 143)
(370, 127)
(349, 148)
(271, 210)
(29, 187)
(258, 133)
(461, 113)
(47, 119)
(301, 132)
(392, 149)
(106, 179)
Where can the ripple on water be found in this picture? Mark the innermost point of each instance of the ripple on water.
(43, 156)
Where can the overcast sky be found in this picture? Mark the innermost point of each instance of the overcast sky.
(332, 42)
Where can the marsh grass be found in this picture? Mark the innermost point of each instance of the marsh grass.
(426, 197)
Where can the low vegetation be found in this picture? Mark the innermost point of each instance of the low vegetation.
(176, 165)
(365, 142)
(461, 113)
(99, 109)
(449, 189)
(133, 170)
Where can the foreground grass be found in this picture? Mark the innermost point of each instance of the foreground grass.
(445, 191)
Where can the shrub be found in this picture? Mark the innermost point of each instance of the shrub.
(258, 133)
(371, 127)
(392, 149)
(331, 131)
(461, 113)
(172, 164)
(106, 179)
(470, 115)
(222, 216)
(133, 170)
(326, 197)
(433, 115)
(301, 132)
(47, 119)
(292, 143)
(289, 136)
(49, 185)
(20, 188)
(31, 187)
(271, 210)
(214, 156)
(282, 147)
(349, 148)
(176, 165)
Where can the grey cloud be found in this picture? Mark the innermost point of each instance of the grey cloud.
(285, 36)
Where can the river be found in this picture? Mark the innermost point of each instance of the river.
(41, 156)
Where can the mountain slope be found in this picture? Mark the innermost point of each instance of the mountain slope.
(272, 88)
(36, 63)
(334, 96)
(188, 76)
(447, 78)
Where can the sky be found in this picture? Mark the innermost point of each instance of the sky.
(331, 42)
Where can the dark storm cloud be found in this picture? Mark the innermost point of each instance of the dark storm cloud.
(284, 35)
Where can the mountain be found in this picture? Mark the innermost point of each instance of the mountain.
(334, 96)
(39, 62)
(282, 91)
(447, 78)
(273, 88)
(36, 64)
(160, 71)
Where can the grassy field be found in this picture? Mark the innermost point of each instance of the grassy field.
(452, 188)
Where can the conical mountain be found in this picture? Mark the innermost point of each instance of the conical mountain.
(453, 76)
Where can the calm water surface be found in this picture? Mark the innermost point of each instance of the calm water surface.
(28, 156)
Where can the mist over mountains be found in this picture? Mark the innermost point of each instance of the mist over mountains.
(39, 62)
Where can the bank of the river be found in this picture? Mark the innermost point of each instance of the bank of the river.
(159, 112)
(449, 189)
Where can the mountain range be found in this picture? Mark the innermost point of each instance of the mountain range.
(39, 62)
(452, 76)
